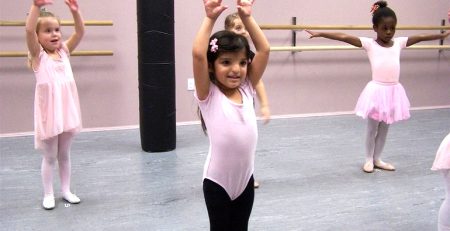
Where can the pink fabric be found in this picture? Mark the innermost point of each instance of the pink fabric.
(56, 104)
(233, 136)
(442, 160)
(383, 102)
(385, 61)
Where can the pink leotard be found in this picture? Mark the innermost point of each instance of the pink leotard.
(233, 135)
(385, 61)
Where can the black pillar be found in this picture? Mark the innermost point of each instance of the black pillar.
(156, 55)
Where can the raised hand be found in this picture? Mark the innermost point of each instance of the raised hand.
(40, 3)
(72, 4)
(213, 8)
(245, 7)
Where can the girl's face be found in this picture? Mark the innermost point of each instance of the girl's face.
(49, 34)
(239, 28)
(385, 29)
(230, 69)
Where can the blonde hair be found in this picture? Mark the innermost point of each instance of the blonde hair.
(42, 14)
(229, 20)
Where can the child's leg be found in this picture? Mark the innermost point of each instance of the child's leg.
(444, 212)
(218, 204)
(372, 129)
(380, 140)
(64, 144)
(49, 155)
(242, 208)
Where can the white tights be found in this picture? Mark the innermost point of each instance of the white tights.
(444, 211)
(375, 139)
(56, 148)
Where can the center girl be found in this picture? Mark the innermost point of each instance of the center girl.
(225, 78)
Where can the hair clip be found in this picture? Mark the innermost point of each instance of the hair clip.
(374, 8)
(214, 46)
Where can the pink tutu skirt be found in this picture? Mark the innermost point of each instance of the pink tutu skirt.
(442, 160)
(385, 102)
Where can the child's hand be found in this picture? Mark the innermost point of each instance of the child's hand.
(448, 15)
(40, 3)
(72, 4)
(214, 8)
(446, 34)
(265, 112)
(313, 34)
(245, 7)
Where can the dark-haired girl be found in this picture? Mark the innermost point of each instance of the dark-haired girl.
(383, 101)
(225, 81)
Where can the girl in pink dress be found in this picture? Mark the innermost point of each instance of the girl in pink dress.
(442, 163)
(225, 80)
(383, 101)
(57, 115)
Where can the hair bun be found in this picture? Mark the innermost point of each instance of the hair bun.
(381, 4)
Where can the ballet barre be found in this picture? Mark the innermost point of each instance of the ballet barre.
(75, 53)
(63, 23)
(333, 48)
(344, 27)
(294, 28)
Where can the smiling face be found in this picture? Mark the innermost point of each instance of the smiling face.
(230, 69)
(49, 33)
(385, 30)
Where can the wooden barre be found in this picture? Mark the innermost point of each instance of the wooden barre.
(330, 48)
(345, 27)
(63, 23)
(75, 53)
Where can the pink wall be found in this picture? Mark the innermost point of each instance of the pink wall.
(306, 82)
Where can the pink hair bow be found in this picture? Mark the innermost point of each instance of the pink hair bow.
(214, 46)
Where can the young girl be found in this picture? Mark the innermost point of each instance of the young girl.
(442, 164)
(383, 101)
(234, 23)
(225, 81)
(57, 115)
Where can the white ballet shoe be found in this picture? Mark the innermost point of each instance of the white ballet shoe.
(71, 198)
(48, 202)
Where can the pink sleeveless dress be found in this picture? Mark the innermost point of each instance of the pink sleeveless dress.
(442, 160)
(56, 104)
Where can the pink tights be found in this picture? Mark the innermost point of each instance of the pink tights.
(444, 211)
(376, 138)
(56, 149)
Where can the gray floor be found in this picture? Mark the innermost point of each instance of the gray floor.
(309, 169)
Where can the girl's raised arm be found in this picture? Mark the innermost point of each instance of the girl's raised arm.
(425, 37)
(350, 39)
(213, 8)
(30, 27)
(76, 37)
(262, 46)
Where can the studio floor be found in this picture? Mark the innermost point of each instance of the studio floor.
(309, 169)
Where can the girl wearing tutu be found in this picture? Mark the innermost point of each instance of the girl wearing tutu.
(383, 101)
(442, 164)
(57, 115)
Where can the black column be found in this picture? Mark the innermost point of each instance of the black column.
(156, 55)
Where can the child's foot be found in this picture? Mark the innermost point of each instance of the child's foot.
(383, 165)
(48, 202)
(368, 167)
(71, 198)
(256, 184)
